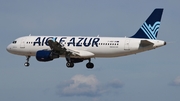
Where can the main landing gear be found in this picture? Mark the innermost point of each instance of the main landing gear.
(89, 65)
(27, 61)
(70, 63)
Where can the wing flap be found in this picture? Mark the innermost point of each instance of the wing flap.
(81, 53)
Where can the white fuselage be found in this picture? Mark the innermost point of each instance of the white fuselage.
(99, 46)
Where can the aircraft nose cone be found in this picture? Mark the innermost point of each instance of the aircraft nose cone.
(8, 48)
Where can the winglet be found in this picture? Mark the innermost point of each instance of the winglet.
(149, 29)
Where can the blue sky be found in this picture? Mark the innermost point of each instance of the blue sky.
(150, 76)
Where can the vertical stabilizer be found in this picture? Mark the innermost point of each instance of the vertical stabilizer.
(150, 28)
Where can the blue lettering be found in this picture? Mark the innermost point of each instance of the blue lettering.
(37, 41)
(86, 44)
(72, 41)
(62, 39)
(79, 42)
(43, 41)
(95, 42)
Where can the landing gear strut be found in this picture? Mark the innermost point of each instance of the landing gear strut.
(69, 63)
(27, 61)
(89, 65)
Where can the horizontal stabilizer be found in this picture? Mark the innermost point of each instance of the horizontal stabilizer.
(145, 43)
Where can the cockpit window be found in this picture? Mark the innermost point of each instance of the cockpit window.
(14, 42)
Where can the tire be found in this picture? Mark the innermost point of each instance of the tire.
(26, 64)
(90, 65)
(70, 64)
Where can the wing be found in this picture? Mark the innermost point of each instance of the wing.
(57, 47)
(81, 53)
(61, 50)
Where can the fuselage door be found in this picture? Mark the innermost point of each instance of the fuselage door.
(126, 44)
(22, 44)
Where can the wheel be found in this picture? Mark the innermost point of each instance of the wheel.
(26, 64)
(70, 64)
(89, 65)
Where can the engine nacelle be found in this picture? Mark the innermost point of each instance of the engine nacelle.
(44, 55)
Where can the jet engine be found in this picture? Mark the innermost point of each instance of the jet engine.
(46, 55)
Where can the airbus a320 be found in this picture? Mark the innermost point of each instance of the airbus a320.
(76, 49)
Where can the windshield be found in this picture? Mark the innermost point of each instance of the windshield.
(14, 42)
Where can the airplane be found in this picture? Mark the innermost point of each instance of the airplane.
(76, 49)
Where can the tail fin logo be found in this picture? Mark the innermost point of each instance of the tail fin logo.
(151, 31)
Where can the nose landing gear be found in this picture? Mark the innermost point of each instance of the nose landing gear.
(27, 61)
